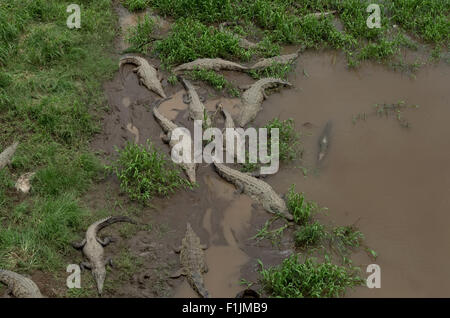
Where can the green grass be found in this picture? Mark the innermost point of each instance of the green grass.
(216, 80)
(276, 70)
(50, 96)
(282, 22)
(140, 36)
(294, 279)
(145, 172)
(289, 144)
(39, 233)
(310, 235)
(301, 209)
(190, 39)
(135, 5)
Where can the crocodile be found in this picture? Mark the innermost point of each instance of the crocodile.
(243, 42)
(259, 190)
(197, 110)
(7, 154)
(148, 76)
(324, 141)
(168, 126)
(280, 59)
(19, 286)
(253, 97)
(93, 248)
(193, 263)
(215, 64)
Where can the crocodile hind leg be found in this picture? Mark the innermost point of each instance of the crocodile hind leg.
(85, 265)
(106, 241)
(80, 245)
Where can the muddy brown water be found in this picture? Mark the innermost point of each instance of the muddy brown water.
(393, 182)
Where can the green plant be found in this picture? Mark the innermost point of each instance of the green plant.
(309, 235)
(293, 279)
(144, 172)
(190, 39)
(301, 209)
(289, 139)
(348, 236)
(135, 5)
(139, 36)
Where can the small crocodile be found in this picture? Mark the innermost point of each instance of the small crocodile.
(253, 97)
(168, 126)
(193, 263)
(324, 141)
(257, 189)
(7, 154)
(19, 286)
(216, 64)
(148, 76)
(197, 110)
(93, 248)
(281, 59)
(243, 42)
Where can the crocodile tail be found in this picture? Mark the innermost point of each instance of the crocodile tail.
(197, 280)
(114, 219)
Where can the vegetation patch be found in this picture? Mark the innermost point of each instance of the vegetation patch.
(140, 36)
(144, 172)
(310, 235)
(216, 80)
(301, 209)
(190, 39)
(294, 279)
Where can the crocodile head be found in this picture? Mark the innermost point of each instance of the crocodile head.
(99, 275)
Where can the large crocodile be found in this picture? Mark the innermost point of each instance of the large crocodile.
(257, 189)
(168, 126)
(148, 76)
(215, 64)
(193, 263)
(7, 154)
(93, 248)
(281, 59)
(197, 110)
(19, 286)
(253, 97)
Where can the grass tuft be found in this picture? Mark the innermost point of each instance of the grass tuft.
(144, 172)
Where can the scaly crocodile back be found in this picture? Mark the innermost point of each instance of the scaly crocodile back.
(257, 189)
(216, 64)
(21, 286)
(192, 260)
(253, 98)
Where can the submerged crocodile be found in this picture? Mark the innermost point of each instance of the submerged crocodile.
(324, 141)
(197, 110)
(168, 126)
(7, 154)
(216, 64)
(148, 76)
(281, 59)
(193, 263)
(257, 189)
(19, 286)
(253, 97)
(93, 249)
